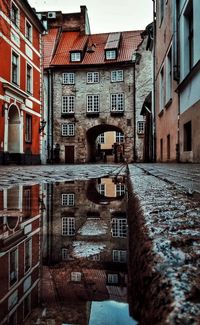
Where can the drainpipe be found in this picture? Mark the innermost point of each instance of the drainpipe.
(177, 7)
(50, 117)
(154, 87)
(134, 112)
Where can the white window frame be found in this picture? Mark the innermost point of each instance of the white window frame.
(92, 77)
(29, 241)
(162, 92)
(28, 130)
(68, 78)
(68, 129)
(76, 276)
(68, 199)
(119, 137)
(12, 300)
(16, 267)
(112, 278)
(30, 91)
(102, 189)
(140, 127)
(75, 56)
(120, 189)
(68, 226)
(93, 103)
(28, 28)
(117, 75)
(17, 21)
(101, 138)
(68, 104)
(111, 54)
(119, 256)
(17, 56)
(119, 228)
(117, 102)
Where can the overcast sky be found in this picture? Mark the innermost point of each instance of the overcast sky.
(104, 15)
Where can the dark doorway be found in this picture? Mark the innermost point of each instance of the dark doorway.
(69, 154)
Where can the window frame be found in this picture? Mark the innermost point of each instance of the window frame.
(120, 189)
(15, 68)
(68, 104)
(95, 78)
(70, 199)
(169, 77)
(117, 227)
(69, 231)
(111, 54)
(29, 241)
(15, 268)
(28, 31)
(119, 256)
(93, 109)
(15, 19)
(75, 56)
(69, 133)
(28, 129)
(118, 101)
(68, 78)
(116, 73)
(118, 137)
(29, 78)
(140, 127)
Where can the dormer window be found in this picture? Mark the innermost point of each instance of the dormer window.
(111, 54)
(75, 56)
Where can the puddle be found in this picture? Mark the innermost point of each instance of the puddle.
(64, 254)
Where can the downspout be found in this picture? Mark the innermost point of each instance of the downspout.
(134, 112)
(154, 86)
(50, 118)
(178, 71)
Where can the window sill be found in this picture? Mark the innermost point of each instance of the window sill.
(161, 113)
(168, 104)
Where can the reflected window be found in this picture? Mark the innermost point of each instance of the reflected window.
(68, 226)
(119, 137)
(95, 257)
(68, 199)
(120, 189)
(13, 267)
(13, 319)
(27, 200)
(102, 189)
(119, 227)
(119, 256)
(65, 254)
(27, 255)
(12, 300)
(113, 278)
(27, 306)
(76, 276)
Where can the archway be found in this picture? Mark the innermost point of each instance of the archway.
(13, 130)
(92, 135)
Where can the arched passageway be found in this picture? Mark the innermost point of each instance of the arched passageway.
(94, 149)
(13, 130)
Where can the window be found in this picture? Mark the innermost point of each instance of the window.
(101, 138)
(27, 255)
(65, 253)
(68, 103)
(68, 78)
(15, 15)
(27, 200)
(15, 68)
(68, 226)
(28, 31)
(92, 77)
(119, 256)
(161, 89)
(29, 79)
(68, 130)
(187, 133)
(161, 149)
(169, 77)
(113, 278)
(76, 276)
(68, 199)
(119, 227)
(13, 319)
(102, 189)
(117, 75)
(120, 189)
(27, 305)
(162, 4)
(75, 56)
(189, 32)
(12, 300)
(28, 132)
(111, 54)
(92, 103)
(119, 137)
(13, 260)
(168, 146)
(117, 102)
(140, 127)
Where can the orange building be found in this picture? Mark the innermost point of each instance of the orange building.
(20, 83)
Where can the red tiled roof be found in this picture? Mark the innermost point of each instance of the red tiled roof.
(74, 41)
(49, 41)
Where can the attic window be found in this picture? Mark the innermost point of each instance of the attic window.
(111, 54)
(75, 56)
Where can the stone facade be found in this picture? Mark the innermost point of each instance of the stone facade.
(88, 127)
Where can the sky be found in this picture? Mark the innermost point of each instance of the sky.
(104, 15)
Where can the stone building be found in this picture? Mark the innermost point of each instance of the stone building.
(90, 88)
(177, 78)
(20, 83)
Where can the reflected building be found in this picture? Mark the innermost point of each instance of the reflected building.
(19, 252)
(86, 251)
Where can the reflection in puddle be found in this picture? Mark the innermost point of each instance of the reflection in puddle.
(63, 248)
